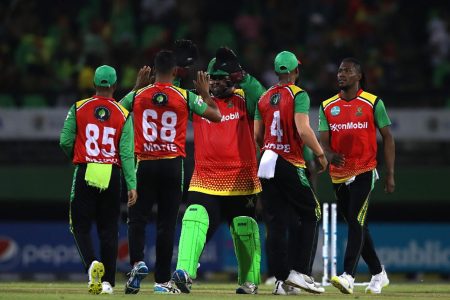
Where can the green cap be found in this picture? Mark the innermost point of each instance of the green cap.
(105, 76)
(285, 62)
(213, 71)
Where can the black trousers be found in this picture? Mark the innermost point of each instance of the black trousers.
(292, 215)
(160, 183)
(90, 205)
(292, 223)
(223, 208)
(292, 227)
(352, 203)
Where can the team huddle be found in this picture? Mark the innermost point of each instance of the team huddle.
(249, 146)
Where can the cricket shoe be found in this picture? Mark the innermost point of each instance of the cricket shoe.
(344, 283)
(304, 282)
(271, 280)
(166, 288)
(182, 281)
(107, 288)
(378, 282)
(137, 274)
(96, 271)
(247, 288)
(284, 289)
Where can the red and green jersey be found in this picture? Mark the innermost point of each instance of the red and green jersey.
(99, 123)
(352, 125)
(161, 113)
(276, 108)
(225, 154)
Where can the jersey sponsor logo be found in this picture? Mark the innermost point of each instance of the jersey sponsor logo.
(159, 99)
(232, 116)
(272, 146)
(336, 110)
(229, 117)
(359, 111)
(349, 125)
(101, 113)
(152, 147)
(275, 99)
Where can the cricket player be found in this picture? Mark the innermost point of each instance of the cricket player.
(348, 124)
(161, 113)
(98, 137)
(224, 183)
(281, 130)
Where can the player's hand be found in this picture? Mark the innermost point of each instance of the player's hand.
(143, 78)
(132, 197)
(336, 159)
(389, 185)
(322, 163)
(202, 84)
(186, 53)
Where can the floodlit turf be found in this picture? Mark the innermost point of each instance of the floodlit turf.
(78, 291)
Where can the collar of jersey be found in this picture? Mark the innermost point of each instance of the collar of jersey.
(284, 85)
(163, 83)
(357, 94)
(102, 97)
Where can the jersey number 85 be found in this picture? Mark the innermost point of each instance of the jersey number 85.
(92, 136)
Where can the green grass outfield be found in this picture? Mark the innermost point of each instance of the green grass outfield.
(78, 291)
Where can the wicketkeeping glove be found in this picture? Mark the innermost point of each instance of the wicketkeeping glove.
(186, 53)
(226, 60)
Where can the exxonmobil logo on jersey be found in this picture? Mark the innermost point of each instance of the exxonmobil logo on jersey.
(231, 116)
(348, 125)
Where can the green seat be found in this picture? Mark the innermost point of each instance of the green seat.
(34, 100)
(6, 100)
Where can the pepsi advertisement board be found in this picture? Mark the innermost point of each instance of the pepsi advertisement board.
(50, 248)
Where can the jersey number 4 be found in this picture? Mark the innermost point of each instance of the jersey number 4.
(167, 132)
(275, 127)
(92, 136)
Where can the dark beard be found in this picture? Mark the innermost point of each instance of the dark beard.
(345, 88)
(223, 94)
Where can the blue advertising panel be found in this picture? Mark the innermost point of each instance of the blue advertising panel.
(417, 247)
(38, 247)
(49, 248)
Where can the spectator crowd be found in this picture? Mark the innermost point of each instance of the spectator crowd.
(50, 48)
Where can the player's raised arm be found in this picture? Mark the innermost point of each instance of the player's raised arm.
(253, 89)
(212, 112)
(143, 79)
